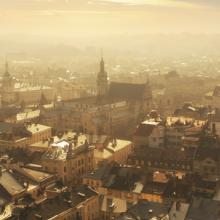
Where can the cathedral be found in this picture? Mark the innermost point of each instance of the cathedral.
(128, 104)
(115, 110)
(133, 93)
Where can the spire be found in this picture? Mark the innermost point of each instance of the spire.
(102, 65)
(6, 67)
(102, 79)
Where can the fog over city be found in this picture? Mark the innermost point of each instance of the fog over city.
(109, 109)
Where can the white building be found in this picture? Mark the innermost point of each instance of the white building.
(149, 133)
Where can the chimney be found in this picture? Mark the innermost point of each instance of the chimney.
(70, 149)
(178, 206)
(213, 128)
(26, 184)
(75, 140)
(86, 143)
(114, 142)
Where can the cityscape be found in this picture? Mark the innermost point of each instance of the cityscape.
(110, 110)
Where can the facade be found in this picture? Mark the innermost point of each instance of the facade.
(146, 210)
(207, 163)
(203, 209)
(33, 95)
(80, 203)
(213, 98)
(164, 159)
(7, 95)
(22, 135)
(150, 133)
(24, 117)
(183, 131)
(23, 95)
(69, 158)
(69, 90)
(35, 181)
(116, 107)
(115, 150)
(126, 183)
(102, 80)
(109, 119)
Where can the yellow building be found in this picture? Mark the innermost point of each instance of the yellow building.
(22, 135)
(115, 150)
(27, 94)
(69, 158)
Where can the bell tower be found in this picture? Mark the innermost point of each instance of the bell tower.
(8, 96)
(102, 80)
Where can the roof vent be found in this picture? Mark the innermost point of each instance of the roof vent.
(37, 216)
(81, 194)
(150, 211)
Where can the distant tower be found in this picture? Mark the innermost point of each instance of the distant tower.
(8, 96)
(102, 80)
(7, 83)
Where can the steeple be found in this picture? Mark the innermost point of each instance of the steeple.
(102, 80)
(102, 65)
(8, 95)
(6, 68)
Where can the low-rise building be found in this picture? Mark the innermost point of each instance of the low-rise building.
(79, 203)
(133, 184)
(207, 163)
(212, 98)
(146, 210)
(21, 135)
(183, 131)
(149, 133)
(69, 158)
(165, 159)
(203, 209)
(114, 150)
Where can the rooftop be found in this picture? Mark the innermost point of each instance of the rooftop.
(203, 209)
(35, 128)
(9, 184)
(34, 175)
(121, 90)
(145, 210)
(49, 208)
(184, 121)
(27, 115)
(32, 88)
(111, 148)
(63, 146)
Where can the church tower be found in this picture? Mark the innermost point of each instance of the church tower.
(7, 83)
(102, 80)
(8, 96)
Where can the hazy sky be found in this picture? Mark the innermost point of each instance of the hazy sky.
(101, 17)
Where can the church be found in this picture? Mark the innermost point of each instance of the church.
(134, 94)
(24, 95)
(116, 107)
